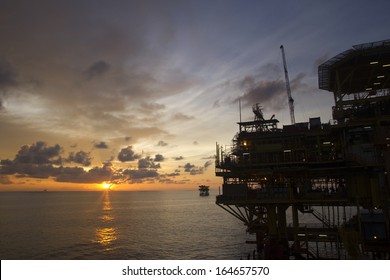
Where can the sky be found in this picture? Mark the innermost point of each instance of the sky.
(137, 93)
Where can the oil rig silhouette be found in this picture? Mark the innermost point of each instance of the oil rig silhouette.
(204, 190)
(318, 190)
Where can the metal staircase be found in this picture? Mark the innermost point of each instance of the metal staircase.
(324, 220)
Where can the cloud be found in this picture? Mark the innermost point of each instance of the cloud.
(92, 70)
(101, 145)
(75, 174)
(173, 174)
(147, 162)
(182, 117)
(159, 158)
(8, 76)
(192, 169)
(127, 154)
(5, 180)
(150, 107)
(196, 170)
(37, 161)
(134, 176)
(270, 71)
(162, 143)
(39, 153)
(97, 69)
(107, 173)
(32, 170)
(79, 175)
(42, 161)
(263, 92)
(8, 79)
(80, 157)
(267, 92)
(178, 158)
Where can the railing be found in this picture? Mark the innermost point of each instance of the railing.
(322, 218)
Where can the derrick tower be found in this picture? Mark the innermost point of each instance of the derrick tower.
(313, 189)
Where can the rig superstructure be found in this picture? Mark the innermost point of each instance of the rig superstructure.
(312, 188)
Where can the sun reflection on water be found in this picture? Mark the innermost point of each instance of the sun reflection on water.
(106, 233)
(105, 236)
(106, 218)
(107, 202)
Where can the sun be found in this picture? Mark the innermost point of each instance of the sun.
(106, 185)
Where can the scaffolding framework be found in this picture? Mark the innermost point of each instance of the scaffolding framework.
(335, 173)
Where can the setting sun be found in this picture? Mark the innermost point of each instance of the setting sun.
(106, 185)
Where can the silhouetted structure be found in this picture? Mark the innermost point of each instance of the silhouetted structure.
(203, 190)
(337, 173)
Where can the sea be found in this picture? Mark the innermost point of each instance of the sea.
(119, 225)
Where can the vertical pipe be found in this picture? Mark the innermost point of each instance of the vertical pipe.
(217, 157)
(282, 227)
(272, 220)
(329, 219)
(294, 210)
(338, 216)
(344, 214)
(358, 215)
(333, 218)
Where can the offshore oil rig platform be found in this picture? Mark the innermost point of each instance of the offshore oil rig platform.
(318, 190)
(204, 190)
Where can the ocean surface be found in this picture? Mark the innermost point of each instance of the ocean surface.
(119, 225)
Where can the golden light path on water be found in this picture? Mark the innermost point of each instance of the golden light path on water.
(106, 234)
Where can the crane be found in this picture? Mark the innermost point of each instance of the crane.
(290, 99)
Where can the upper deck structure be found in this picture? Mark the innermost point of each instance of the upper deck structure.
(337, 173)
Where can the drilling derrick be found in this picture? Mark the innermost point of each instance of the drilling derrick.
(312, 189)
(290, 99)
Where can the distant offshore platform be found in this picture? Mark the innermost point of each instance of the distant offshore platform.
(204, 190)
(335, 175)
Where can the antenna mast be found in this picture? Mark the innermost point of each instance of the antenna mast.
(239, 106)
(290, 99)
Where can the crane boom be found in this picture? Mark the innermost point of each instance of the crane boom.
(290, 99)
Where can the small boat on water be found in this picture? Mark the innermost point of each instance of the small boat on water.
(204, 190)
